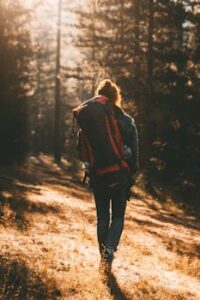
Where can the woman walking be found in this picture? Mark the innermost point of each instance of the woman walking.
(110, 181)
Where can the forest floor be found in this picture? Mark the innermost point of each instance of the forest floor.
(48, 245)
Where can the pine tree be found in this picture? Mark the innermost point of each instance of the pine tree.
(15, 84)
(151, 48)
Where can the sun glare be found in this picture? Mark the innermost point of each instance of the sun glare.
(47, 10)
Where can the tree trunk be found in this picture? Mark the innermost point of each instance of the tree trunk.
(149, 96)
(57, 123)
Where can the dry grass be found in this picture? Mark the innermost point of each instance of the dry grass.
(49, 249)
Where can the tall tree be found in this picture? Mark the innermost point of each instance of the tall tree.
(57, 124)
(151, 48)
(15, 81)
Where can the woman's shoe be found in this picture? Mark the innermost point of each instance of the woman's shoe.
(105, 265)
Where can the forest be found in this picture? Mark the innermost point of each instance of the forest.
(150, 48)
(53, 54)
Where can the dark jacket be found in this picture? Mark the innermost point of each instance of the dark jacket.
(130, 136)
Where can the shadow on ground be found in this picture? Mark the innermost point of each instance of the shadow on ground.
(19, 282)
(15, 205)
(142, 290)
(41, 175)
(115, 290)
(160, 226)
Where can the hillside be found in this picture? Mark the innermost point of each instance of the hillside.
(49, 248)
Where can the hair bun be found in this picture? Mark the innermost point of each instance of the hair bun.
(108, 83)
(109, 89)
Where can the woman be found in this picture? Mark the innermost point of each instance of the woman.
(109, 231)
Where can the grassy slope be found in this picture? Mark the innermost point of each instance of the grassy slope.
(48, 247)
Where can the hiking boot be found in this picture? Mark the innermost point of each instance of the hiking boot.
(105, 265)
(108, 255)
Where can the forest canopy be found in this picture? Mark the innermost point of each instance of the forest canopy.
(151, 49)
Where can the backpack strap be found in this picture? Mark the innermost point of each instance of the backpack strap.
(109, 169)
(116, 144)
(111, 138)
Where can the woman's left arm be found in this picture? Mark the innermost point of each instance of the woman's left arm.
(134, 147)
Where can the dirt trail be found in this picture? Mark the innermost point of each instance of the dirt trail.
(48, 247)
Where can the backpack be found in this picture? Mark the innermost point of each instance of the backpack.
(100, 141)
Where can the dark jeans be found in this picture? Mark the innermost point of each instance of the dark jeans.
(110, 220)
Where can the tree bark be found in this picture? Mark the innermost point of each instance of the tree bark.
(57, 122)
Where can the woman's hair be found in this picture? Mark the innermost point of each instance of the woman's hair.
(111, 90)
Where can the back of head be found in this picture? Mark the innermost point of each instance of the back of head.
(110, 90)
